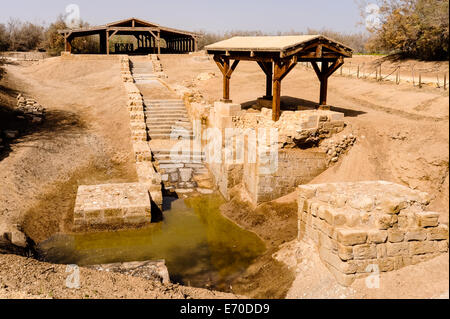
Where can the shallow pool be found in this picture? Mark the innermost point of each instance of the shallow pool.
(201, 247)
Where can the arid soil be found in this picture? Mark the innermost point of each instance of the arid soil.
(85, 140)
(27, 278)
(402, 137)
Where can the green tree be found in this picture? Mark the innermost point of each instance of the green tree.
(412, 29)
(54, 42)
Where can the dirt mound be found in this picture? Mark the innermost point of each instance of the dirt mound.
(84, 140)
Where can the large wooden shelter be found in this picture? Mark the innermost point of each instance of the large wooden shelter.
(277, 56)
(151, 37)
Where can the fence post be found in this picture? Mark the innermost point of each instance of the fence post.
(357, 73)
(437, 78)
(420, 80)
(445, 81)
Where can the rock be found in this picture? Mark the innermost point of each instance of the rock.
(12, 240)
(11, 134)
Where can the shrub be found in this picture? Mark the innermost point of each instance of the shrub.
(413, 29)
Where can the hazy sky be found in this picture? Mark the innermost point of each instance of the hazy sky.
(209, 15)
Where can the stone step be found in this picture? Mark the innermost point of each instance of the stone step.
(184, 125)
(168, 137)
(152, 131)
(164, 101)
(164, 107)
(167, 152)
(166, 121)
(166, 117)
(164, 104)
(182, 112)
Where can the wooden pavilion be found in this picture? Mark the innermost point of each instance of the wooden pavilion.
(277, 56)
(149, 36)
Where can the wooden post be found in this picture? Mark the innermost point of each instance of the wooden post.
(267, 68)
(68, 43)
(420, 80)
(107, 42)
(269, 80)
(276, 97)
(280, 70)
(226, 80)
(357, 73)
(445, 81)
(159, 42)
(224, 65)
(323, 84)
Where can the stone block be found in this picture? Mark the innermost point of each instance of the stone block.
(438, 233)
(427, 219)
(107, 205)
(396, 235)
(366, 251)
(333, 260)
(397, 249)
(416, 234)
(226, 109)
(422, 247)
(351, 237)
(142, 151)
(377, 236)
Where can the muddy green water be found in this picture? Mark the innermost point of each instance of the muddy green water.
(201, 247)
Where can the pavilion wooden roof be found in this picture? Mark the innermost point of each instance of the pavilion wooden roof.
(128, 26)
(277, 56)
(280, 47)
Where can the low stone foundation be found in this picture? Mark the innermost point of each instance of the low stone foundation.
(112, 206)
(367, 226)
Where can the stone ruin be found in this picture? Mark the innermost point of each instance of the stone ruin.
(111, 206)
(30, 109)
(359, 226)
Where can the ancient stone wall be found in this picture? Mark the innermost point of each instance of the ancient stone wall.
(146, 171)
(293, 167)
(363, 227)
(122, 205)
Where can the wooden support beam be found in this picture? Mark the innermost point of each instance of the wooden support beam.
(107, 42)
(159, 42)
(227, 71)
(323, 75)
(324, 84)
(284, 67)
(267, 68)
(281, 69)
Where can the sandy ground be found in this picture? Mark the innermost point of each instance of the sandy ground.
(402, 136)
(27, 278)
(85, 140)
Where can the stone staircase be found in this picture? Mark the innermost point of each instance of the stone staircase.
(143, 72)
(167, 119)
(169, 128)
